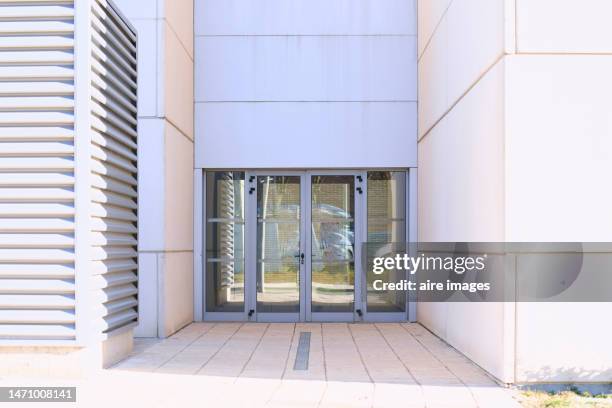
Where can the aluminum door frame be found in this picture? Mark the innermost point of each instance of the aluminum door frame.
(251, 249)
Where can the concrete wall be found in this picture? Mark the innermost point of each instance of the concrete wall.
(559, 135)
(461, 159)
(165, 31)
(514, 145)
(305, 83)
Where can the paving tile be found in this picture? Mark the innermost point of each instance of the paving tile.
(396, 395)
(444, 395)
(382, 364)
(349, 395)
(342, 359)
(310, 394)
(235, 353)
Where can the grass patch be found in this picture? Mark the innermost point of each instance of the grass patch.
(572, 398)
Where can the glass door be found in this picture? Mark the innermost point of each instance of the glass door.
(293, 251)
(333, 278)
(279, 247)
(386, 231)
(286, 246)
(225, 246)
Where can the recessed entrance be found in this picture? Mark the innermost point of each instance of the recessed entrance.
(285, 246)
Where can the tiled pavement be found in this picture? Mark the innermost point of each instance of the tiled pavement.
(350, 365)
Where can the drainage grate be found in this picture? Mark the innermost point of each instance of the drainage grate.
(303, 352)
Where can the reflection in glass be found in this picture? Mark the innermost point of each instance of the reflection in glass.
(333, 243)
(386, 224)
(224, 266)
(278, 244)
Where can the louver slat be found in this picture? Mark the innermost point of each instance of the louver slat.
(38, 331)
(36, 317)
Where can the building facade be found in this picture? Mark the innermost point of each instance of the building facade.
(512, 96)
(294, 114)
(277, 137)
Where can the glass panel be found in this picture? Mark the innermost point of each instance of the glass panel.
(386, 206)
(219, 248)
(278, 244)
(224, 266)
(225, 286)
(333, 243)
(385, 231)
(386, 224)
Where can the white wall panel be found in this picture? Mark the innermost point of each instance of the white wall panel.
(304, 17)
(148, 270)
(178, 230)
(468, 40)
(461, 199)
(151, 184)
(305, 83)
(178, 89)
(563, 342)
(476, 35)
(430, 14)
(176, 269)
(139, 9)
(311, 68)
(305, 135)
(462, 195)
(564, 26)
(559, 135)
(433, 81)
(180, 16)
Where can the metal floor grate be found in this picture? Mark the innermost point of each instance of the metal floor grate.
(303, 352)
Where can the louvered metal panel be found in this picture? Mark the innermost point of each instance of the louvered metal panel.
(68, 194)
(37, 277)
(113, 166)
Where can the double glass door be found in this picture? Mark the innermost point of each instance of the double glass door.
(304, 240)
(286, 246)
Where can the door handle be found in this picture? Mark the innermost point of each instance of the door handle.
(301, 257)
